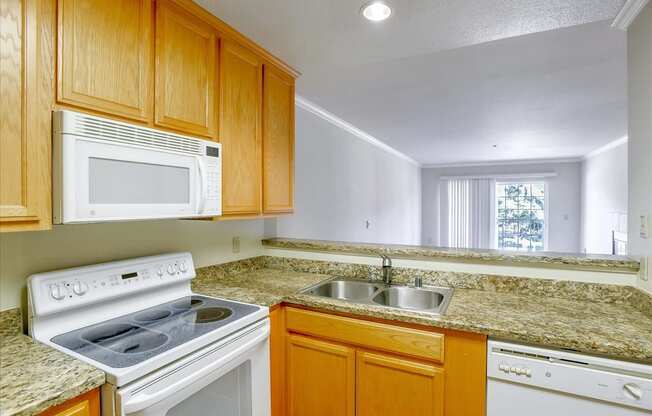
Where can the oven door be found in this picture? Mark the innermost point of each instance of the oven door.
(114, 182)
(228, 378)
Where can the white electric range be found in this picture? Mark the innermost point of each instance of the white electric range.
(165, 350)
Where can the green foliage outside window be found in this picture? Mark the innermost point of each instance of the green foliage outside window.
(520, 216)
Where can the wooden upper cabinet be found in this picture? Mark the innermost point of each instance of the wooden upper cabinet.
(397, 386)
(26, 96)
(241, 80)
(320, 377)
(278, 141)
(104, 56)
(186, 72)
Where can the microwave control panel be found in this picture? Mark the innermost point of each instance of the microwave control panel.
(213, 165)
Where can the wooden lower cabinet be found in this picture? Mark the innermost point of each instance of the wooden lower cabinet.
(320, 377)
(88, 404)
(340, 365)
(277, 359)
(397, 386)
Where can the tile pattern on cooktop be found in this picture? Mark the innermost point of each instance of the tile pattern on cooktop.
(136, 337)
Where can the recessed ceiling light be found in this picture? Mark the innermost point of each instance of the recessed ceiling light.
(376, 11)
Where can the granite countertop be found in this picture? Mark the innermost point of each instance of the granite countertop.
(265, 287)
(33, 376)
(575, 261)
(616, 330)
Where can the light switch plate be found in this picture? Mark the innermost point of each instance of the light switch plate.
(644, 272)
(644, 231)
(236, 245)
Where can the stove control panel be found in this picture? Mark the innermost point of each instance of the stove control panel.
(65, 289)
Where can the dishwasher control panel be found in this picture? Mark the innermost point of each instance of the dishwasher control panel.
(598, 378)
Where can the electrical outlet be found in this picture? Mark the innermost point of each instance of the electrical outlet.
(236, 244)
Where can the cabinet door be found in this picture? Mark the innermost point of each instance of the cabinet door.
(277, 360)
(26, 96)
(88, 404)
(186, 69)
(388, 385)
(320, 378)
(240, 129)
(104, 49)
(278, 141)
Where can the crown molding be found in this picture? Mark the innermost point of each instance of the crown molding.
(628, 13)
(502, 163)
(534, 175)
(313, 108)
(606, 147)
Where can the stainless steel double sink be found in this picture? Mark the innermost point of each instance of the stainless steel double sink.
(428, 299)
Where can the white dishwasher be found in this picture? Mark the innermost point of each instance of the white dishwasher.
(525, 380)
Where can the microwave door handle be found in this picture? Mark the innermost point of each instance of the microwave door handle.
(201, 201)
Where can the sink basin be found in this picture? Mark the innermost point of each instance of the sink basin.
(345, 289)
(427, 299)
(403, 297)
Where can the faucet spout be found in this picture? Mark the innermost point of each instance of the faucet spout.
(387, 269)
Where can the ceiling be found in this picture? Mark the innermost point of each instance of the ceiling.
(445, 81)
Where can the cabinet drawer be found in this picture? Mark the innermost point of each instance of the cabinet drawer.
(374, 335)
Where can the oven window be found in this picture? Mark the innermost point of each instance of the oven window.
(122, 182)
(230, 395)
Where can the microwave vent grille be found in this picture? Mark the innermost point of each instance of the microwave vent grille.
(115, 132)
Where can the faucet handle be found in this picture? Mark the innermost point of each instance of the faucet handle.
(418, 281)
(387, 262)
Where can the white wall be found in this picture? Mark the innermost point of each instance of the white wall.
(341, 181)
(604, 197)
(564, 199)
(639, 39)
(22, 254)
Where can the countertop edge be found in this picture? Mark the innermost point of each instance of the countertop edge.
(567, 261)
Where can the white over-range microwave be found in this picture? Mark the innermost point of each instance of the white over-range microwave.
(105, 170)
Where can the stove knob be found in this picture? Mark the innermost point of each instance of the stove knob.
(171, 269)
(183, 267)
(80, 288)
(57, 291)
(159, 271)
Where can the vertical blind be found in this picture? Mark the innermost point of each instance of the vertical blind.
(471, 213)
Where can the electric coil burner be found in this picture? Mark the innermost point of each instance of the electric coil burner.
(164, 349)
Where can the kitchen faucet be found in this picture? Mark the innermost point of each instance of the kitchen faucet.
(387, 269)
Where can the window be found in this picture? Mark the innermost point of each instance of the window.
(520, 216)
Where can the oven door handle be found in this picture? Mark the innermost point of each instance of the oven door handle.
(203, 182)
(142, 400)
